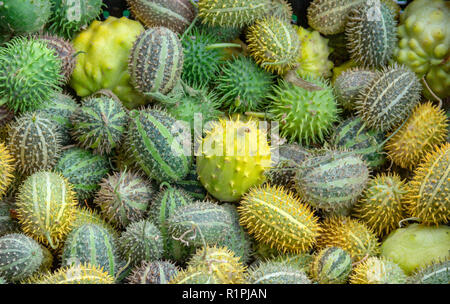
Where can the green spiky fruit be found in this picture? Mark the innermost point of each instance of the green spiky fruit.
(29, 74)
(155, 145)
(232, 158)
(243, 85)
(84, 216)
(237, 13)
(7, 223)
(348, 85)
(304, 116)
(435, 273)
(424, 129)
(371, 34)
(376, 270)
(155, 272)
(192, 185)
(331, 265)
(46, 207)
(99, 124)
(84, 170)
(223, 33)
(389, 98)
(20, 17)
(276, 273)
(141, 241)
(281, 9)
(6, 168)
(351, 135)
(349, 234)
(34, 142)
(274, 44)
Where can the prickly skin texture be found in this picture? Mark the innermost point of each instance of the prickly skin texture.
(196, 275)
(270, 272)
(376, 270)
(348, 84)
(6, 168)
(331, 265)
(86, 215)
(24, 16)
(154, 272)
(8, 224)
(435, 273)
(224, 34)
(281, 9)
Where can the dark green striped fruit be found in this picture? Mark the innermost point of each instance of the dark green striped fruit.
(276, 273)
(192, 185)
(331, 265)
(155, 272)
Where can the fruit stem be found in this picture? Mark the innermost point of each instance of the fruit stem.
(294, 79)
(408, 219)
(432, 93)
(395, 132)
(123, 269)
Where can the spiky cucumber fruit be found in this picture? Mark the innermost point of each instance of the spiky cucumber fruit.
(7, 223)
(348, 85)
(29, 74)
(20, 257)
(84, 216)
(305, 116)
(271, 272)
(389, 98)
(99, 124)
(331, 265)
(330, 16)
(154, 272)
(154, 139)
(435, 273)
(141, 241)
(34, 142)
(281, 9)
(192, 185)
(237, 13)
(352, 135)
(232, 157)
(278, 218)
(21, 17)
(425, 129)
(6, 168)
(428, 192)
(274, 44)
(376, 270)
(349, 234)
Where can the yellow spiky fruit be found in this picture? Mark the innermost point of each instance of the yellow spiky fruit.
(424, 129)
(428, 192)
(376, 270)
(6, 168)
(276, 217)
(349, 234)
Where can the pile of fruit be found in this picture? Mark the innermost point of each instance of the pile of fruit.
(217, 142)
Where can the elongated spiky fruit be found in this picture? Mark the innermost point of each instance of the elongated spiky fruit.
(276, 217)
(6, 168)
(331, 265)
(155, 272)
(349, 83)
(271, 272)
(23, 17)
(376, 270)
(435, 273)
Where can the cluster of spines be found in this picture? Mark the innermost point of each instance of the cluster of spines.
(6, 168)
(375, 270)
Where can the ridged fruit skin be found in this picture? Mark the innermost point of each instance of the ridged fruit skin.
(156, 61)
(332, 180)
(141, 241)
(417, 246)
(85, 215)
(281, 9)
(34, 142)
(29, 74)
(424, 39)
(276, 217)
(91, 244)
(6, 168)
(84, 170)
(389, 98)
(349, 234)
(69, 17)
(104, 65)
(304, 116)
(435, 273)
(381, 205)
(46, 207)
(425, 129)
(7, 223)
(154, 272)
(314, 52)
(24, 16)
(156, 147)
(243, 85)
(428, 192)
(349, 83)
(99, 124)
(20, 257)
(175, 15)
(376, 270)
(371, 32)
(270, 272)
(232, 158)
(237, 13)
(351, 135)
(330, 16)
(331, 265)
(274, 44)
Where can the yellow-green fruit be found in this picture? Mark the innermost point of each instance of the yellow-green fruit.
(103, 62)
(376, 270)
(276, 217)
(6, 169)
(424, 129)
(196, 275)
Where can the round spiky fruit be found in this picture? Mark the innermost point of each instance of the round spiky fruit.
(19, 17)
(349, 234)
(274, 44)
(86, 215)
(304, 116)
(389, 98)
(281, 9)
(276, 217)
(232, 158)
(271, 272)
(435, 273)
(46, 207)
(99, 124)
(425, 129)
(376, 270)
(155, 272)
(6, 168)
(331, 265)
(348, 85)
(428, 192)
(20, 256)
(34, 142)
(29, 74)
